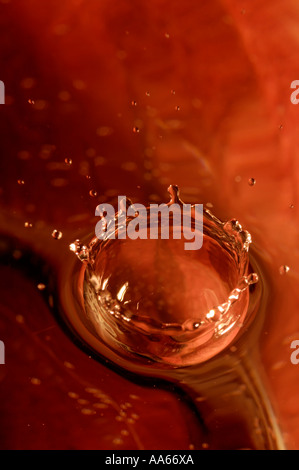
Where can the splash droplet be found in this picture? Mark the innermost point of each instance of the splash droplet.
(28, 225)
(41, 286)
(93, 193)
(68, 161)
(136, 130)
(134, 103)
(251, 181)
(177, 108)
(56, 234)
(21, 182)
(80, 250)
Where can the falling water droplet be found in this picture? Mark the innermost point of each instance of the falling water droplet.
(41, 286)
(147, 93)
(56, 234)
(31, 101)
(93, 193)
(136, 130)
(291, 206)
(134, 103)
(172, 92)
(21, 182)
(284, 269)
(68, 161)
(177, 108)
(251, 181)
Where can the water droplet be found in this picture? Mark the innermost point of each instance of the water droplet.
(136, 130)
(236, 225)
(251, 181)
(35, 381)
(93, 193)
(57, 234)
(252, 278)
(284, 269)
(177, 108)
(31, 101)
(68, 161)
(21, 182)
(80, 250)
(28, 225)
(147, 93)
(134, 103)
(291, 206)
(41, 286)
(117, 441)
(172, 92)
(88, 412)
